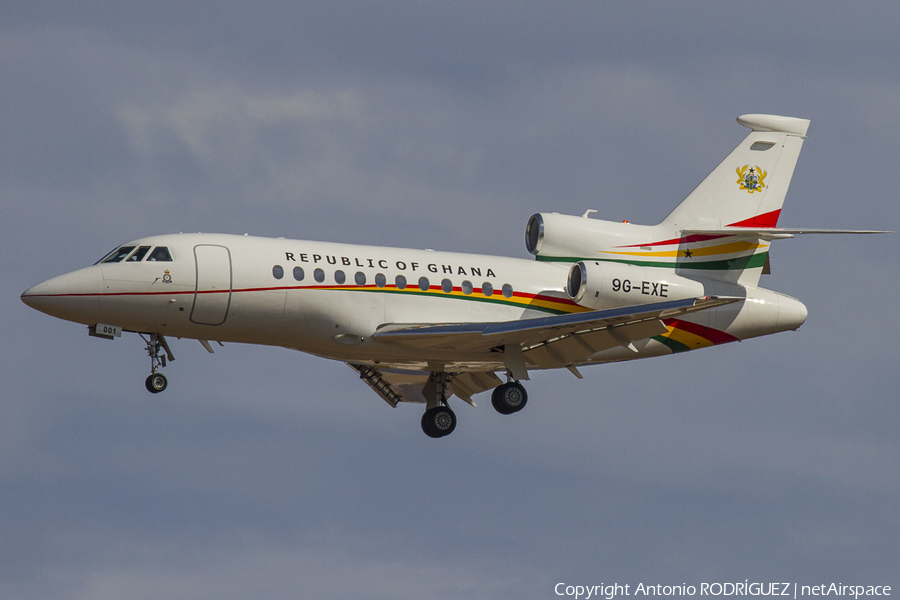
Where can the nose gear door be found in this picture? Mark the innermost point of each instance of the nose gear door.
(212, 295)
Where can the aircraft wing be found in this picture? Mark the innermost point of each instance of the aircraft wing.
(549, 342)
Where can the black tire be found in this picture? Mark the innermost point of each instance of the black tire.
(509, 398)
(495, 400)
(156, 383)
(438, 422)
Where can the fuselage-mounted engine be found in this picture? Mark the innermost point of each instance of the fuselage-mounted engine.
(601, 285)
(612, 279)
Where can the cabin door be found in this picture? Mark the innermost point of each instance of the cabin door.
(212, 295)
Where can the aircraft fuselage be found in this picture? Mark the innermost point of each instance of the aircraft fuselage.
(328, 299)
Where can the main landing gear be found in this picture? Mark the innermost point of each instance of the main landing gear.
(509, 397)
(156, 344)
(439, 420)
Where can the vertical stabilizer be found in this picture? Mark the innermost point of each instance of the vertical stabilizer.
(748, 187)
(718, 232)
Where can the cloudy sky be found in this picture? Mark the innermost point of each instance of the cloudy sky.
(264, 473)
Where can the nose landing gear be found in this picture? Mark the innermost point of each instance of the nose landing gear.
(157, 382)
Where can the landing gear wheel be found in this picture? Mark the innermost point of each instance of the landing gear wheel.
(509, 398)
(438, 421)
(156, 383)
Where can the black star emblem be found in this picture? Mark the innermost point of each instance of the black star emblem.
(688, 253)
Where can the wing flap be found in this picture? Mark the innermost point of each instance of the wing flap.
(466, 385)
(576, 347)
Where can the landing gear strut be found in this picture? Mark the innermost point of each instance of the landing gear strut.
(156, 344)
(438, 419)
(509, 397)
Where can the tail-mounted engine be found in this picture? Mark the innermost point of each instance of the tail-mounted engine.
(600, 285)
(551, 236)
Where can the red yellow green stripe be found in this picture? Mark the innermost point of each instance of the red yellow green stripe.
(685, 335)
(541, 302)
(732, 248)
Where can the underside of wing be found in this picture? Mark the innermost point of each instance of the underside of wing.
(395, 386)
(549, 342)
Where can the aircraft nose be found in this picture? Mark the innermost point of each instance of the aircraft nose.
(791, 312)
(33, 295)
(74, 296)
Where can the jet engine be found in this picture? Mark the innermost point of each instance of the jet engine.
(550, 236)
(600, 285)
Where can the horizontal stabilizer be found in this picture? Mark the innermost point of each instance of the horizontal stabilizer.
(773, 233)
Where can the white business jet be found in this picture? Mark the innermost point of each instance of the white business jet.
(422, 326)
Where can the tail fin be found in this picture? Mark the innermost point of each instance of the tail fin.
(747, 189)
(721, 231)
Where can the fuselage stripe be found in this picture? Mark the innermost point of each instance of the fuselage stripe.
(523, 300)
(686, 335)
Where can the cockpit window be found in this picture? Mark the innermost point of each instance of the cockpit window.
(160, 254)
(138, 255)
(118, 255)
(107, 255)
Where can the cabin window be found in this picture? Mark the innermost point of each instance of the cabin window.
(360, 278)
(400, 282)
(339, 277)
(424, 284)
(118, 255)
(380, 280)
(487, 289)
(466, 287)
(277, 271)
(139, 254)
(447, 286)
(160, 254)
(298, 273)
(507, 290)
(319, 275)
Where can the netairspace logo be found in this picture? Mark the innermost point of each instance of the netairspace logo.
(739, 588)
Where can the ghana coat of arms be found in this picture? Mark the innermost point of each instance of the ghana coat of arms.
(751, 179)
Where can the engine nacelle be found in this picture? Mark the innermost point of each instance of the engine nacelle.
(601, 285)
(550, 236)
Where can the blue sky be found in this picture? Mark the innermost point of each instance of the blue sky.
(265, 473)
